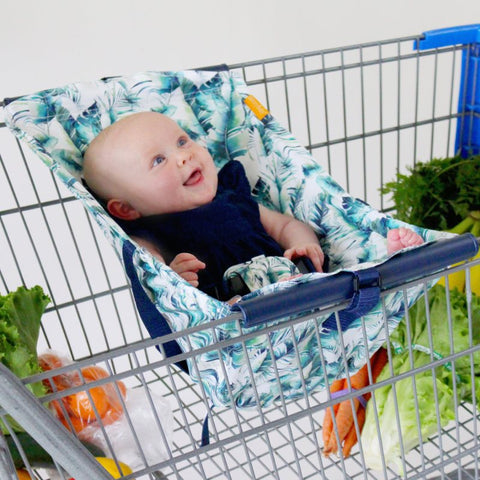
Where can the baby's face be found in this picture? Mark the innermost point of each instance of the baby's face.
(159, 168)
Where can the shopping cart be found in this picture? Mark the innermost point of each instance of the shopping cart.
(365, 112)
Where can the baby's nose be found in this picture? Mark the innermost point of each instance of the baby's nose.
(182, 158)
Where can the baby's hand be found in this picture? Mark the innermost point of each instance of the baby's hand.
(187, 266)
(311, 250)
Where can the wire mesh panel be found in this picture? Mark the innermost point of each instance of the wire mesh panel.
(282, 440)
(365, 112)
(41, 244)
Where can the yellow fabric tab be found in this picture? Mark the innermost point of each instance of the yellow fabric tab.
(256, 107)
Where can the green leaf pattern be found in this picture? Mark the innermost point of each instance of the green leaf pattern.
(58, 125)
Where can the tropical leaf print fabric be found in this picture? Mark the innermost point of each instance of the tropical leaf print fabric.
(59, 124)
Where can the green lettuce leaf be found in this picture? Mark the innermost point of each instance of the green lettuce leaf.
(20, 315)
(413, 397)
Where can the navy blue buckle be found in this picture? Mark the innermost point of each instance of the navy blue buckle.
(366, 284)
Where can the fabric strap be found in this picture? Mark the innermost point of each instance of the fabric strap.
(155, 323)
(366, 296)
(344, 391)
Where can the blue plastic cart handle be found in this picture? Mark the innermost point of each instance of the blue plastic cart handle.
(443, 37)
(341, 287)
(467, 140)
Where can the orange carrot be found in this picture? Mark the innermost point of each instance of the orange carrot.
(360, 379)
(344, 416)
(378, 361)
(327, 427)
(351, 438)
(381, 359)
(344, 421)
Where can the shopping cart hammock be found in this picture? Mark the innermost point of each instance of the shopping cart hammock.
(59, 124)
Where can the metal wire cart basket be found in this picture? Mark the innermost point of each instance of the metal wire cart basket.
(365, 112)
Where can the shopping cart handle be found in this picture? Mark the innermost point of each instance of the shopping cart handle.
(442, 37)
(341, 287)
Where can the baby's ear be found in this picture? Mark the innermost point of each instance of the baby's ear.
(122, 210)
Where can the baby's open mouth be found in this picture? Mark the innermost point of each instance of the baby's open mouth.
(194, 178)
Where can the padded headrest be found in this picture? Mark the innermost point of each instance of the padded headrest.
(61, 122)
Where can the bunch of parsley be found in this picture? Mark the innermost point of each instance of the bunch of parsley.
(437, 194)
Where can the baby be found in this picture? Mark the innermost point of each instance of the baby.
(164, 190)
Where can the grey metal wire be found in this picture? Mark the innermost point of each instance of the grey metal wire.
(20, 403)
(7, 467)
(236, 435)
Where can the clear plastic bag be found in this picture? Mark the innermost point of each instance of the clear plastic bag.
(92, 406)
(142, 436)
(132, 425)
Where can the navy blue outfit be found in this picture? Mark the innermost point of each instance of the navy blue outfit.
(225, 232)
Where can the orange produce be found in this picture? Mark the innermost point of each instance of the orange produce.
(70, 420)
(77, 410)
(342, 411)
(23, 475)
(94, 373)
(51, 361)
(82, 407)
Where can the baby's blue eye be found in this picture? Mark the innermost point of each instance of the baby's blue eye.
(182, 141)
(158, 160)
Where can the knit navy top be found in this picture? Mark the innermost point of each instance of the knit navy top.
(222, 233)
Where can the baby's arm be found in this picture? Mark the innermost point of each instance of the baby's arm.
(296, 237)
(185, 264)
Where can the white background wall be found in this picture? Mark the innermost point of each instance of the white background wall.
(52, 42)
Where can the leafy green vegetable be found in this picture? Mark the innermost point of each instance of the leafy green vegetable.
(412, 398)
(437, 194)
(20, 315)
